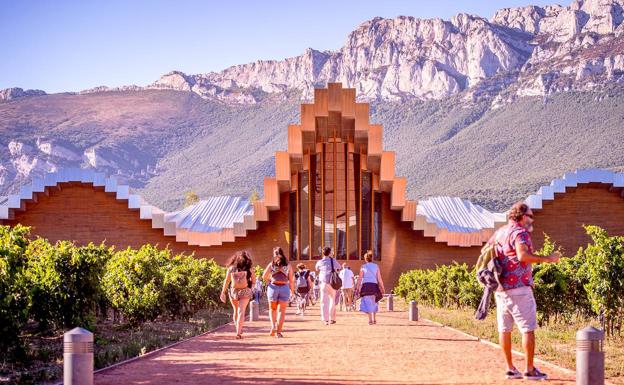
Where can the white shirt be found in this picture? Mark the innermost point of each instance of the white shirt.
(324, 267)
(347, 278)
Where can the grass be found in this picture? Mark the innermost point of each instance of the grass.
(113, 343)
(556, 341)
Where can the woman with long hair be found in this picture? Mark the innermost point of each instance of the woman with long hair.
(240, 280)
(281, 284)
(370, 287)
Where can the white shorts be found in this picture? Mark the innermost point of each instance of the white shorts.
(516, 305)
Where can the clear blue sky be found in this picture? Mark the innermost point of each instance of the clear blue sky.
(73, 45)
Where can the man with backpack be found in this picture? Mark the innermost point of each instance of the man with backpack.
(514, 297)
(303, 284)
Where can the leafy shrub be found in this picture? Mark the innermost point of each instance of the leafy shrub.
(14, 298)
(133, 281)
(446, 286)
(603, 272)
(190, 284)
(205, 283)
(63, 280)
(149, 282)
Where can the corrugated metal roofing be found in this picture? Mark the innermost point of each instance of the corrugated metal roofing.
(212, 214)
(457, 215)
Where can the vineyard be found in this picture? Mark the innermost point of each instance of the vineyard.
(48, 288)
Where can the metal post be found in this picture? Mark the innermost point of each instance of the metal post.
(254, 311)
(78, 357)
(590, 367)
(413, 311)
(390, 302)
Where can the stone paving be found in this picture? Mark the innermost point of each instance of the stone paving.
(395, 351)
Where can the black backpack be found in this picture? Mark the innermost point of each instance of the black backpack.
(334, 278)
(302, 278)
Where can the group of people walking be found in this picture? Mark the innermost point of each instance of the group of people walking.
(241, 284)
(515, 302)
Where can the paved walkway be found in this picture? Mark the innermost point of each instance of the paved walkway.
(394, 351)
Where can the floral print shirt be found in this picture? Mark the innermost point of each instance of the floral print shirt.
(514, 273)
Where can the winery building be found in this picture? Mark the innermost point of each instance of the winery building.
(334, 186)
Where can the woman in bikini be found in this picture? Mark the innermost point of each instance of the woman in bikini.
(240, 280)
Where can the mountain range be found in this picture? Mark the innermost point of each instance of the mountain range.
(483, 109)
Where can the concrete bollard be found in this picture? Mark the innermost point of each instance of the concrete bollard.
(254, 311)
(78, 357)
(590, 368)
(413, 311)
(390, 303)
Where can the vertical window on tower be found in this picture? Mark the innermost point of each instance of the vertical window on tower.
(330, 192)
(341, 200)
(353, 204)
(367, 201)
(292, 238)
(304, 214)
(377, 228)
(316, 243)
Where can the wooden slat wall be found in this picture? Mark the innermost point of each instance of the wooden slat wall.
(348, 102)
(271, 195)
(398, 193)
(361, 122)
(282, 170)
(321, 102)
(386, 172)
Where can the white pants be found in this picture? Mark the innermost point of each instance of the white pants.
(328, 302)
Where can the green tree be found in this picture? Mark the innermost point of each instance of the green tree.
(190, 198)
(254, 196)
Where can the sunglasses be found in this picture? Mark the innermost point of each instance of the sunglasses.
(529, 215)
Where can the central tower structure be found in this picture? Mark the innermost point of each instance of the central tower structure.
(335, 197)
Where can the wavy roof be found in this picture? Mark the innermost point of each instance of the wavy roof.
(572, 179)
(451, 220)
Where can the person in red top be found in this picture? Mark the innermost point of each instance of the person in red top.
(514, 300)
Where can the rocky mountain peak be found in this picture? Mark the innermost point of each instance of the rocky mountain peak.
(175, 80)
(16, 92)
(520, 51)
(407, 57)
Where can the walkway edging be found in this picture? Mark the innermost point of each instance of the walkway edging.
(151, 353)
(497, 346)
(516, 352)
